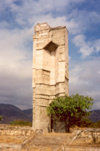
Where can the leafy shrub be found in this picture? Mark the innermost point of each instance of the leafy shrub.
(73, 110)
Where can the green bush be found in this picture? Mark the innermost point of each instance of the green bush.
(73, 110)
(21, 123)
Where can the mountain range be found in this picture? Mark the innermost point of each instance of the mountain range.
(10, 113)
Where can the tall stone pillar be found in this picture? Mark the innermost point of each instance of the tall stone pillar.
(50, 70)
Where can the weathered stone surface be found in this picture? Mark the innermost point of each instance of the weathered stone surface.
(8, 130)
(50, 70)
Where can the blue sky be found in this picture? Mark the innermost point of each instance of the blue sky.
(17, 20)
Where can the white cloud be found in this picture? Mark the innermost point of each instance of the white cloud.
(40, 5)
(27, 13)
(86, 48)
(85, 79)
(16, 56)
(58, 21)
(85, 19)
(12, 50)
(97, 45)
(31, 11)
(15, 68)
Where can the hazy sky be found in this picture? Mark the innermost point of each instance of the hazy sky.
(17, 19)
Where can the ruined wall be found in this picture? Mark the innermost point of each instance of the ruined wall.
(8, 130)
(50, 70)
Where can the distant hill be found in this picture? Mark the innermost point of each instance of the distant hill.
(10, 113)
(95, 115)
(28, 113)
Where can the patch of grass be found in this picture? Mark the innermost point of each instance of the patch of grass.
(21, 123)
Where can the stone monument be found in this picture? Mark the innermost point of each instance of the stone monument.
(50, 70)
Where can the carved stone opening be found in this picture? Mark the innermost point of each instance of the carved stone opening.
(51, 46)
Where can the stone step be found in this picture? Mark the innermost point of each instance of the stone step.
(49, 140)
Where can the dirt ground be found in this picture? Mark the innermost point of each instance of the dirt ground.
(11, 139)
(49, 142)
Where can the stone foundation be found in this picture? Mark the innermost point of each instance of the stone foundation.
(8, 130)
(77, 140)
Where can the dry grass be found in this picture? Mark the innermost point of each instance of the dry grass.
(32, 149)
(41, 149)
(76, 146)
(11, 139)
(57, 134)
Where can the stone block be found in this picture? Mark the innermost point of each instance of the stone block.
(42, 76)
(61, 72)
(42, 89)
(43, 26)
(60, 88)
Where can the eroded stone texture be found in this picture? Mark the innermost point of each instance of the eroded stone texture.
(50, 70)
